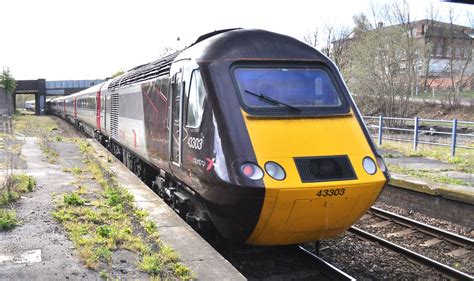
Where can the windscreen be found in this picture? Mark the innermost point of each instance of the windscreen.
(287, 89)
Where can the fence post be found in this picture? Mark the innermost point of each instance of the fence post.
(415, 133)
(453, 135)
(380, 129)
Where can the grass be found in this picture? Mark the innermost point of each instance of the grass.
(43, 127)
(463, 160)
(102, 219)
(442, 94)
(33, 125)
(426, 174)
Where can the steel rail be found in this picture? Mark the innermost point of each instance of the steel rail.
(425, 228)
(328, 269)
(447, 270)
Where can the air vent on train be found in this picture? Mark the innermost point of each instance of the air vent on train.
(144, 72)
(327, 168)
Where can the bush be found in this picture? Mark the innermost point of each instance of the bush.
(7, 219)
(7, 197)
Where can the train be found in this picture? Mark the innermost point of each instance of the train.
(246, 131)
(30, 105)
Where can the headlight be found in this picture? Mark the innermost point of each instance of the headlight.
(369, 165)
(381, 164)
(251, 171)
(275, 171)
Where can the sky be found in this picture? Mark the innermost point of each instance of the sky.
(93, 39)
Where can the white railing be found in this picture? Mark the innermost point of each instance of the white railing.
(452, 133)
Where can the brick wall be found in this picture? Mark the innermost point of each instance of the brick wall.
(432, 206)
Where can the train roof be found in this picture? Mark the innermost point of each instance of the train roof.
(225, 44)
(251, 44)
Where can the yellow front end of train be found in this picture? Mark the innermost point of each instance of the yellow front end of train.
(294, 210)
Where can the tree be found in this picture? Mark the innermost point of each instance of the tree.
(383, 62)
(333, 44)
(7, 81)
(9, 84)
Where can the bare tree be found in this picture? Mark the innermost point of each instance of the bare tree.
(383, 63)
(311, 38)
(334, 43)
(429, 50)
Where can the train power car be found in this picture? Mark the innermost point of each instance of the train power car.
(250, 131)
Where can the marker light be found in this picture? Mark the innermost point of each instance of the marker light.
(275, 171)
(251, 171)
(381, 164)
(369, 165)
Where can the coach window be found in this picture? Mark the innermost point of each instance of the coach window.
(197, 94)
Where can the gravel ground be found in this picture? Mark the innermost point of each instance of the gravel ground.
(370, 261)
(413, 241)
(366, 260)
(443, 224)
(274, 263)
(39, 231)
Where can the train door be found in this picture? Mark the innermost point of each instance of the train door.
(102, 113)
(75, 108)
(176, 120)
(97, 110)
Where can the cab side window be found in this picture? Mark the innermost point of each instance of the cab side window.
(197, 95)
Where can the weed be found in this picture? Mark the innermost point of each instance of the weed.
(88, 256)
(103, 253)
(8, 197)
(74, 199)
(152, 264)
(183, 272)
(16, 185)
(113, 197)
(8, 219)
(150, 226)
(103, 274)
(59, 138)
(62, 215)
(24, 183)
(104, 231)
(76, 170)
(106, 225)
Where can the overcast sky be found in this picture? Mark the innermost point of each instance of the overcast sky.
(92, 39)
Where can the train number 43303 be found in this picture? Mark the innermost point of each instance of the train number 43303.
(331, 192)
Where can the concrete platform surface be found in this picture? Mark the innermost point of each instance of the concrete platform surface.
(192, 249)
(462, 193)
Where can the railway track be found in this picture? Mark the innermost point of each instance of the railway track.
(328, 269)
(417, 241)
(282, 263)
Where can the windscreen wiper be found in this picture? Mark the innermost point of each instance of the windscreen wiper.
(272, 101)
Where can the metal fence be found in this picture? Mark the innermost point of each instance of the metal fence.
(452, 133)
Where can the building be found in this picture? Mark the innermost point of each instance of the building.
(448, 59)
(451, 54)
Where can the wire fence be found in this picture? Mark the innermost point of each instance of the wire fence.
(451, 133)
